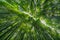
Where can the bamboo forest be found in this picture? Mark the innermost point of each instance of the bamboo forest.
(29, 19)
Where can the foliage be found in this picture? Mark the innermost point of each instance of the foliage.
(29, 19)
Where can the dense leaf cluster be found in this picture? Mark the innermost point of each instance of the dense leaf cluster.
(29, 19)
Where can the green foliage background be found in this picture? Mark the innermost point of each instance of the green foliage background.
(29, 19)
